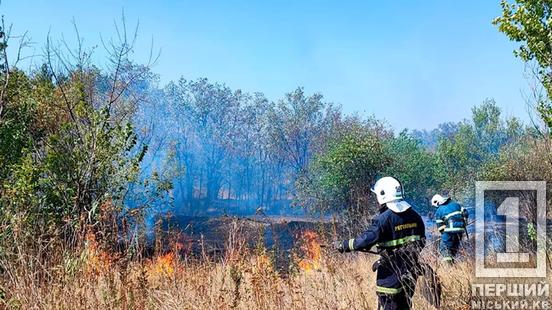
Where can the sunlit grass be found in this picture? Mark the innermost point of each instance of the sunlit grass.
(243, 278)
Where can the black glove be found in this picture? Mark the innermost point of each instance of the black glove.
(375, 265)
(338, 246)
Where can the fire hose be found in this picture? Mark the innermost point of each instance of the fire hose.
(430, 287)
(364, 251)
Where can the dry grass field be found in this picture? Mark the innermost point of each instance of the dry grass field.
(241, 278)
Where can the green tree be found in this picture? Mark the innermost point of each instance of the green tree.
(69, 152)
(529, 159)
(476, 142)
(417, 168)
(340, 178)
(295, 123)
(18, 126)
(529, 22)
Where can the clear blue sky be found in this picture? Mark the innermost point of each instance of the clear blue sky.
(413, 63)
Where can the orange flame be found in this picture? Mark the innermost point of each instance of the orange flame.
(167, 264)
(311, 250)
(97, 260)
(163, 265)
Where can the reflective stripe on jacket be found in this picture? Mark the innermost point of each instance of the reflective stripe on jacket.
(450, 217)
(389, 230)
(400, 237)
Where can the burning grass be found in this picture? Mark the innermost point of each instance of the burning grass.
(312, 252)
(242, 278)
(340, 282)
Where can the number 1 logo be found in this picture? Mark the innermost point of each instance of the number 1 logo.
(510, 209)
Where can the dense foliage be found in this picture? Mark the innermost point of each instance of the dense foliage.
(529, 22)
(73, 143)
(70, 155)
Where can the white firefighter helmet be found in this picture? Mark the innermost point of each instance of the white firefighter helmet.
(438, 200)
(389, 191)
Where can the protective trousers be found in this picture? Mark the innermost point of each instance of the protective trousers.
(396, 283)
(450, 242)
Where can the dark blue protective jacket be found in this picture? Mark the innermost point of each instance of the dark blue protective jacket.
(451, 217)
(399, 238)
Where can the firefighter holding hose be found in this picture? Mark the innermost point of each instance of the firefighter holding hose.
(398, 231)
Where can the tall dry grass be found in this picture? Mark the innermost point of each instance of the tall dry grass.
(342, 282)
(242, 278)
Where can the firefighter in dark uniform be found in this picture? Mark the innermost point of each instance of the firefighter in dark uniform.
(451, 219)
(398, 231)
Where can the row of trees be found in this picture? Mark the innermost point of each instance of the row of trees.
(447, 160)
(229, 151)
(81, 143)
(235, 150)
